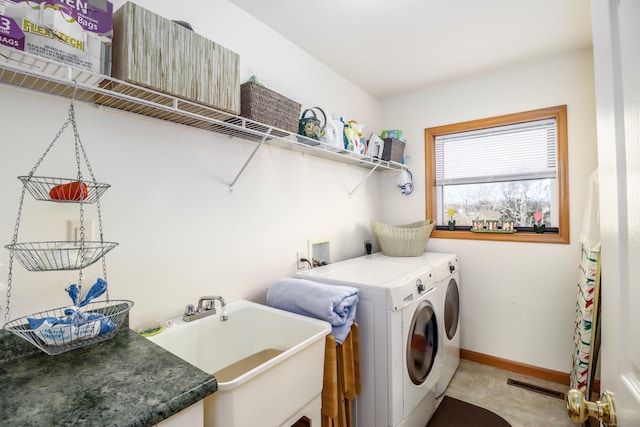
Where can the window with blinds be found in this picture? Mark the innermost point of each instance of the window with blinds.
(506, 153)
(506, 169)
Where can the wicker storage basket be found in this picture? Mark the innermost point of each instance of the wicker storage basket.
(403, 240)
(268, 107)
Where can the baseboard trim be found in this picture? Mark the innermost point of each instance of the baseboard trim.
(521, 368)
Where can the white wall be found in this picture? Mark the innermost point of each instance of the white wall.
(518, 299)
(181, 234)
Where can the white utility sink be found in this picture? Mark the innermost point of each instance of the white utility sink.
(268, 362)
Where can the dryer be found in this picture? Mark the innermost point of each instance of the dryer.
(398, 318)
(446, 277)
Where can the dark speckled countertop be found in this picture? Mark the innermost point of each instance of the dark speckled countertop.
(123, 381)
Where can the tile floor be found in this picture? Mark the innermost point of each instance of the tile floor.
(487, 387)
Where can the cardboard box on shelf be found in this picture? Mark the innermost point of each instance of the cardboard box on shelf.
(77, 33)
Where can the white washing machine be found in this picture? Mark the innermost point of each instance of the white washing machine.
(398, 316)
(446, 277)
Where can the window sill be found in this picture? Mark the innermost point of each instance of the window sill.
(521, 236)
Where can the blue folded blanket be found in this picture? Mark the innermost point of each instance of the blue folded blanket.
(334, 304)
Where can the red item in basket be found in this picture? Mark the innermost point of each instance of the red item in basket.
(71, 191)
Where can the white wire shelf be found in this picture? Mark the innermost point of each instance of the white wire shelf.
(48, 76)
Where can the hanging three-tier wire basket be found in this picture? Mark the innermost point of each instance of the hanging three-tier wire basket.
(86, 321)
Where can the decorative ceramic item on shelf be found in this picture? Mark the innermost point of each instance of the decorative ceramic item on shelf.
(507, 225)
(538, 226)
(478, 224)
(310, 125)
(491, 224)
(452, 222)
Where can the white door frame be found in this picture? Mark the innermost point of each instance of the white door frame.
(616, 44)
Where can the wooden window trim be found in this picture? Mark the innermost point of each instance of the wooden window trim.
(560, 114)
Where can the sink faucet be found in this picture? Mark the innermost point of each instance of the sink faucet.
(206, 307)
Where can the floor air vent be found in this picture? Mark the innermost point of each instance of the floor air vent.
(537, 389)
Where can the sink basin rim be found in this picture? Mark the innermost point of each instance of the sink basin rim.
(235, 307)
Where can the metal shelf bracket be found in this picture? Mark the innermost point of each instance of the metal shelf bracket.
(364, 179)
(253, 153)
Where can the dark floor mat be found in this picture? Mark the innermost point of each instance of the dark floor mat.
(456, 413)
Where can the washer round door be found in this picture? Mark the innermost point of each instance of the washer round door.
(451, 309)
(422, 345)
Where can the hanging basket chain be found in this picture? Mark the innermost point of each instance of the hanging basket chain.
(55, 139)
(79, 148)
(17, 225)
(13, 241)
(77, 143)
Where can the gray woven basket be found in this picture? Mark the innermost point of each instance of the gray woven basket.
(403, 240)
(268, 107)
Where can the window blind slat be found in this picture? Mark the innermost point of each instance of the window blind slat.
(525, 150)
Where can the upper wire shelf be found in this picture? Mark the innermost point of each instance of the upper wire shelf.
(44, 75)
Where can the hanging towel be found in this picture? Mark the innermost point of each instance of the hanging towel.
(405, 181)
(590, 233)
(334, 304)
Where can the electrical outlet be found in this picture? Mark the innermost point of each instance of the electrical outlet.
(301, 265)
(367, 247)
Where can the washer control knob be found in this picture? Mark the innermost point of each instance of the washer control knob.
(420, 286)
(452, 267)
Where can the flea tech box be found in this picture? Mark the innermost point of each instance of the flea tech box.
(74, 32)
